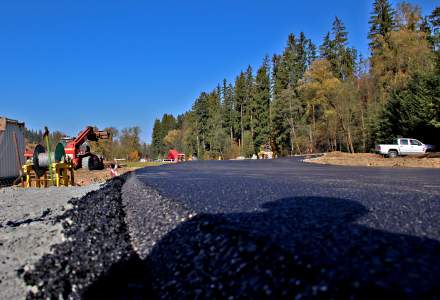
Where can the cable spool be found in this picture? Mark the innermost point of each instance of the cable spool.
(40, 158)
(60, 155)
(39, 170)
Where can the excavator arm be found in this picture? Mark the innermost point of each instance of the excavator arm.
(89, 133)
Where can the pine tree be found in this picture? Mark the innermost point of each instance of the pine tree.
(201, 115)
(240, 94)
(413, 111)
(289, 62)
(382, 22)
(168, 123)
(229, 113)
(156, 139)
(326, 49)
(311, 55)
(160, 131)
(262, 103)
(288, 72)
(215, 135)
(301, 59)
(278, 82)
(282, 79)
(340, 34)
(434, 20)
(249, 101)
(343, 58)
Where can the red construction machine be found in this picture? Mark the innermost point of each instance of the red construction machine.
(175, 156)
(80, 155)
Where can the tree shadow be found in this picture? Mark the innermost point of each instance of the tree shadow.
(303, 247)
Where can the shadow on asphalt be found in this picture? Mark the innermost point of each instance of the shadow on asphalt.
(308, 246)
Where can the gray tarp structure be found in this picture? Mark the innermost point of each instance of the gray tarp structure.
(9, 164)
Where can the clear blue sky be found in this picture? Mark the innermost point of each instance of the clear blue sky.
(67, 64)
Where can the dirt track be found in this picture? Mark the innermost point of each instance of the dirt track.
(86, 177)
(376, 160)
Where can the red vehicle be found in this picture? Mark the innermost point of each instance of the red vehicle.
(81, 156)
(175, 156)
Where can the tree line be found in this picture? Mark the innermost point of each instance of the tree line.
(313, 99)
(125, 143)
(34, 137)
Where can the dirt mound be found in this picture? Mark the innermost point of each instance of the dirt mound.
(85, 177)
(429, 160)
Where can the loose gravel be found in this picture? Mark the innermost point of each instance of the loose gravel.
(96, 241)
(28, 229)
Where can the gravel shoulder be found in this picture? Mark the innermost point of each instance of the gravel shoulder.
(28, 229)
(430, 160)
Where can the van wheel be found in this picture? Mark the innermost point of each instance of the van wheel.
(392, 154)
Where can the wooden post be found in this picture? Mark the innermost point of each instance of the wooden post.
(65, 177)
(18, 160)
(72, 178)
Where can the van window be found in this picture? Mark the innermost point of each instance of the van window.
(403, 142)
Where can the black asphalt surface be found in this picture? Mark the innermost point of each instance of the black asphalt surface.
(243, 186)
(285, 228)
(278, 229)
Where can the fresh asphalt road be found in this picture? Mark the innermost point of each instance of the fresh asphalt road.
(243, 186)
(362, 231)
(400, 200)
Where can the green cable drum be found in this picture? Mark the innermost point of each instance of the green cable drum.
(59, 153)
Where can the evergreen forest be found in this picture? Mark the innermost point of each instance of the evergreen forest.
(315, 98)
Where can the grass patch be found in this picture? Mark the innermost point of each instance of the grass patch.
(137, 164)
